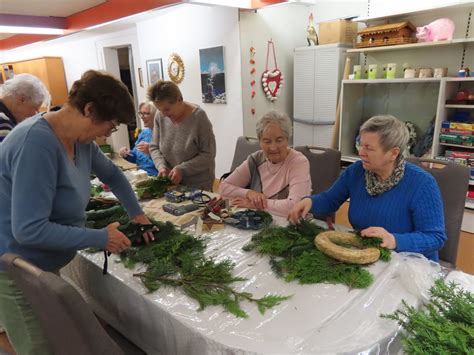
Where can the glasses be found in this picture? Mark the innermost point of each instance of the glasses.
(141, 114)
(115, 125)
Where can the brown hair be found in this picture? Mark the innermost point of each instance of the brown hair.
(109, 97)
(164, 91)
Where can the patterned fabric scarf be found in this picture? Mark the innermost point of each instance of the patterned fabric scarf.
(376, 187)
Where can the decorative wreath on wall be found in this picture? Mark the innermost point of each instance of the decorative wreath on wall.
(272, 80)
(175, 68)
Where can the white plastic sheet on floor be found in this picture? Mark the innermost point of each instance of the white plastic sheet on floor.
(319, 318)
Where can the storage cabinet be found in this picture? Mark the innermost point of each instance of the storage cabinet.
(49, 70)
(317, 77)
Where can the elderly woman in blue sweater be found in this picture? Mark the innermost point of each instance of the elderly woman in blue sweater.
(389, 198)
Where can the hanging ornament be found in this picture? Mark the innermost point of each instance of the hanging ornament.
(252, 72)
(272, 80)
(175, 68)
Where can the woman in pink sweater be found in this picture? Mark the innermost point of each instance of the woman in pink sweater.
(274, 178)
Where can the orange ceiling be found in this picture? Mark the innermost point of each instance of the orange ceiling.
(105, 12)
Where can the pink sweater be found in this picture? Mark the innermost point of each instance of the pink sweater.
(293, 171)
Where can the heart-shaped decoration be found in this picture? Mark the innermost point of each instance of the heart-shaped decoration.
(272, 82)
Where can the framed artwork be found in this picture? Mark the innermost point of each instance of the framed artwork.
(212, 75)
(154, 70)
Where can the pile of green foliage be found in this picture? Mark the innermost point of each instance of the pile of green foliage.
(177, 259)
(153, 187)
(294, 256)
(96, 190)
(445, 325)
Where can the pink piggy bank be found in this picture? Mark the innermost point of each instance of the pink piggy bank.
(441, 29)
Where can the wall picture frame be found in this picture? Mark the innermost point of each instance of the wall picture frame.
(154, 70)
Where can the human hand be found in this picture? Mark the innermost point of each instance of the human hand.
(176, 176)
(258, 199)
(241, 202)
(142, 219)
(300, 210)
(163, 172)
(123, 152)
(388, 240)
(144, 147)
(116, 240)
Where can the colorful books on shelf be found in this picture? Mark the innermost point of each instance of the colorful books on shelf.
(459, 133)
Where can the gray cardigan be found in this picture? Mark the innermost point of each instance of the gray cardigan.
(189, 145)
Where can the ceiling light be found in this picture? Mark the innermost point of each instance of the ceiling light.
(32, 30)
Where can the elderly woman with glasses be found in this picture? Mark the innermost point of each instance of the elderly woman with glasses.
(390, 198)
(274, 178)
(21, 97)
(45, 167)
(140, 154)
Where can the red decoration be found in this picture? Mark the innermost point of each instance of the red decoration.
(252, 83)
(252, 71)
(253, 111)
(272, 80)
(253, 94)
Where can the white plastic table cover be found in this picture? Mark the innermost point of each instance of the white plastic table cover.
(319, 318)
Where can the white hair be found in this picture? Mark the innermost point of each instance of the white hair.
(279, 118)
(392, 132)
(27, 86)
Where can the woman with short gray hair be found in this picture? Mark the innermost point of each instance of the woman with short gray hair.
(274, 178)
(389, 198)
(21, 97)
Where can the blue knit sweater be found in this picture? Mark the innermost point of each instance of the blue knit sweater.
(412, 211)
(43, 195)
(143, 160)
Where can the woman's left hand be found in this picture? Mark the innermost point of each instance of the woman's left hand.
(142, 219)
(242, 202)
(176, 176)
(144, 147)
(388, 240)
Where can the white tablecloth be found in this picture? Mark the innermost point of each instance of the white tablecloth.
(319, 318)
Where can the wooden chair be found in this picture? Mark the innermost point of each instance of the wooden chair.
(69, 324)
(453, 182)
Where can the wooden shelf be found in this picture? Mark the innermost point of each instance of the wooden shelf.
(459, 79)
(456, 145)
(392, 81)
(460, 106)
(411, 46)
(413, 13)
(469, 205)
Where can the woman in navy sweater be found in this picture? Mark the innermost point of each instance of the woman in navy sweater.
(389, 198)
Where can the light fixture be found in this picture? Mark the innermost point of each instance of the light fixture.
(32, 30)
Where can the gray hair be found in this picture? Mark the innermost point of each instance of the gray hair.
(27, 86)
(392, 132)
(150, 105)
(279, 118)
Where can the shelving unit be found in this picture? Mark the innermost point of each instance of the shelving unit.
(412, 46)
(456, 145)
(469, 107)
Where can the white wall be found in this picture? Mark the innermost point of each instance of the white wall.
(286, 25)
(185, 29)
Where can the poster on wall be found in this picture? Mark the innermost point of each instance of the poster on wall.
(213, 75)
(154, 70)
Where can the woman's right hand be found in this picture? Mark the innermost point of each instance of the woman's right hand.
(123, 152)
(163, 172)
(300, 210)
(116, 240)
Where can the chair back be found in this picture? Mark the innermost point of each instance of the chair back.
(243, 148)
(324, 168)
(324, 165)
(453, 182)
(69, 324)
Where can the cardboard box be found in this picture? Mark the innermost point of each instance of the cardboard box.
(337, 31)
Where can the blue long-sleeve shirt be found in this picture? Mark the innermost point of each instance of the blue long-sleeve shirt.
(144, 161)
(43, 195)
(412, 210)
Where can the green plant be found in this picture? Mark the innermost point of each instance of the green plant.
(445, 325)
(153, 188)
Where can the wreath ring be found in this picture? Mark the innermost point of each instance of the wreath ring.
(175, 68)
(334, 244)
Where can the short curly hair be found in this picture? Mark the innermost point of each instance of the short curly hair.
(164, 91)
(110, 97)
